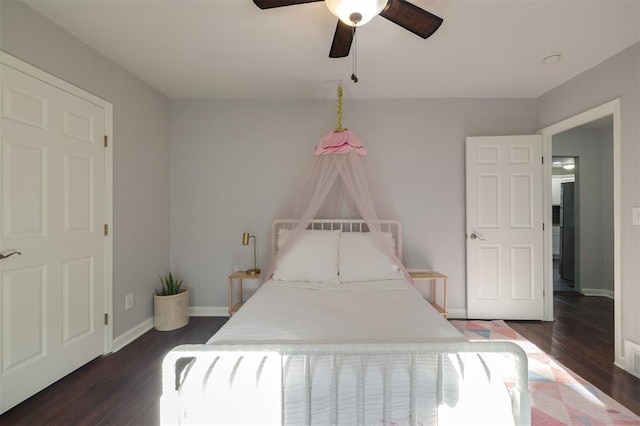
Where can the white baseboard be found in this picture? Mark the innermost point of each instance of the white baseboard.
(632, 357)
(131, 335)
(457, 314)
(146, 325)
(598, 292)
(208, 311)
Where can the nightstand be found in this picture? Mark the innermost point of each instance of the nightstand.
(435, 278)
(237, 277)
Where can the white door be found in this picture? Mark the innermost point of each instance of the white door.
(504, 227)
(52, 296)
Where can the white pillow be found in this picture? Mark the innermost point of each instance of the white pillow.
(361, 259)
(314, 258)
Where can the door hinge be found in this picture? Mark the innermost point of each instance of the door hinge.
(106, 319)
(543, 226)
(106, 229)
(105, 141)
(542, 157)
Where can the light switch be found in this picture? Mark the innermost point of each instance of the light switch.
(636, 216)
(128, 301)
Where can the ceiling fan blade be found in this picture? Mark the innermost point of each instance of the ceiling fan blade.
(411, 17)
(269, 4)
(342, 39)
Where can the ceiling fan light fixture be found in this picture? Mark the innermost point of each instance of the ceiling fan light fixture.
(355, 13)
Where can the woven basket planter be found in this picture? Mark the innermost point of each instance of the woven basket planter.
(171, 312)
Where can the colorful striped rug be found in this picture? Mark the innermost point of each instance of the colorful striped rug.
(559, 396)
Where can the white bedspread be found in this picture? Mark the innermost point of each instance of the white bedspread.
(372, 311)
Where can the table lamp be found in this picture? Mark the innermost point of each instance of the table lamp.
(245, 241)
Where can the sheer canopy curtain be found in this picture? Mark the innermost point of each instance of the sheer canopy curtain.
(339, 184)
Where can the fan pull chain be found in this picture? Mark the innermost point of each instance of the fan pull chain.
(354, 67)
(339, 110)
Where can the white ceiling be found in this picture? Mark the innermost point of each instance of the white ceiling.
(231, 49)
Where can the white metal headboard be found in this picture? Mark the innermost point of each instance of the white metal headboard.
(346, 225)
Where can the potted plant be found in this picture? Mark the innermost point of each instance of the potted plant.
(170, 305)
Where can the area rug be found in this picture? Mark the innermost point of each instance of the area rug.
(559, 396)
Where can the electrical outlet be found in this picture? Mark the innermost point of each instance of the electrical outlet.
(636, 216)
(128, 301)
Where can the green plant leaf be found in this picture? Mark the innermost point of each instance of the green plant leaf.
(170, 286)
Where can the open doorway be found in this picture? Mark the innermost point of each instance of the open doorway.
(563, 193)
(597, 229)
(585, 177)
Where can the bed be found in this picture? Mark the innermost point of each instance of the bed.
(362, 347)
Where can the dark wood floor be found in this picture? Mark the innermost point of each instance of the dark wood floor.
(124, 388)
(581, 338)
(119, 389)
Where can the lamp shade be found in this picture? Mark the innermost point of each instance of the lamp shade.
(355, 12)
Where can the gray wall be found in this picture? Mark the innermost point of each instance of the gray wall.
(619, 76)
(593, 215)
(141, 151)
(234, 162)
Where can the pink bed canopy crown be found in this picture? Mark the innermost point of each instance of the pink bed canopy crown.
(340, 142)
(339, 183)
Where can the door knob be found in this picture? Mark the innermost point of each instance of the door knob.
(475, 236)
(4, 256)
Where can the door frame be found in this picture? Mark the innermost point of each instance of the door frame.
(37, 73)
(611, 108)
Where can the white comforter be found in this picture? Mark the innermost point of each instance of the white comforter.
(372, 311)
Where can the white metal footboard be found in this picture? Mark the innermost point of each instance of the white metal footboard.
(205, 356)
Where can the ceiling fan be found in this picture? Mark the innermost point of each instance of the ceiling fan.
(355, 13)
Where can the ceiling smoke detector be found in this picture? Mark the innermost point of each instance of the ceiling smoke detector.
(550, 59)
